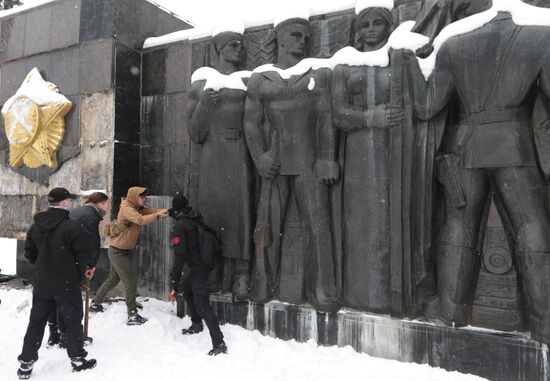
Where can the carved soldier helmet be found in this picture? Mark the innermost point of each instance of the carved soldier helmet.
(227, 32)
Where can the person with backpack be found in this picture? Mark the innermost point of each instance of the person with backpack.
(197, 245)
(89, 216)
(60, 251)
(133, 214)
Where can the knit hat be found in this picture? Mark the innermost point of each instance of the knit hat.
(179, 202)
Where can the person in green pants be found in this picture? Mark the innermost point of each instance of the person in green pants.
(133, 214)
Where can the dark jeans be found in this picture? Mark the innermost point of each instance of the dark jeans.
(53, 320)
(69, 311)
(195, 292)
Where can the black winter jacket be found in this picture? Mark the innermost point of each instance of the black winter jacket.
(59, 249)
(184, 237)
(89, 217)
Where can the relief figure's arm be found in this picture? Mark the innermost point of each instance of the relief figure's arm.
(199, 106)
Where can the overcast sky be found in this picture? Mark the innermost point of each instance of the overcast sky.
(207, 13)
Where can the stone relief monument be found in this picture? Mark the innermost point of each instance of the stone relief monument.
(34, 122)
(488, 146)
(224, 185)
(289, 134)
(351, 173)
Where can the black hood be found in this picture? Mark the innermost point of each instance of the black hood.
(50, 219)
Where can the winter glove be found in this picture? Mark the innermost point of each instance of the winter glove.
(173, 296)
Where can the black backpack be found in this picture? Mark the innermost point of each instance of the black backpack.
(210, 244)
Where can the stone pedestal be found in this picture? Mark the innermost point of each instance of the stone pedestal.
(494, 355)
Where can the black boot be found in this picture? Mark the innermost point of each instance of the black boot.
(220, 348)
(80, 363)
(135, 319)
(193, 329)
(96, 307)
(53, 339)
(25, 369)
(457, 271)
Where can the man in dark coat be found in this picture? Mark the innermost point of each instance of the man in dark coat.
(185, 241)
(89, 216)
(60, 252)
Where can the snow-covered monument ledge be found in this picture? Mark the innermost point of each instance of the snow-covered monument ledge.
(365, 195)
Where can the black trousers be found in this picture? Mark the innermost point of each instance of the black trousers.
(195, 292)
(69, 312)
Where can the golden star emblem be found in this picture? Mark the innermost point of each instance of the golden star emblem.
(35, 122)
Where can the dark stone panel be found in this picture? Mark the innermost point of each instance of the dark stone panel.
(16, 214)
(158, 117)
(65, 26)
(330, 35)
(136, 20)
(127, 116)
(168, 23)
(178, 161)
(125, 173)
(201, 55)
(179, 151)
(65, 70)
(37, 31)
(4, 143)
(13, 74)
(97, 19)
(127, 69)
(42, 62)
(177, 69)
(154, 72)
(182, 134)
(40, 175)
(260, 49)
(12, 37)
(70, 147)
(155, 169)
(96, 66)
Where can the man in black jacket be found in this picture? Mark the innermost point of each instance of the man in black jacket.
(60, 251)
(89, 217)
(185, 241)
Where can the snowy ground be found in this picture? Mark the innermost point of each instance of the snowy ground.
(157, 351)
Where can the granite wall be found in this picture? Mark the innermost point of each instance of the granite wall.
(91, 49)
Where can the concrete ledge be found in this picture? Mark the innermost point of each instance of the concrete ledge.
(494, 355)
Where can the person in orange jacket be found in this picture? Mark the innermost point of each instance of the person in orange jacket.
(133, 214)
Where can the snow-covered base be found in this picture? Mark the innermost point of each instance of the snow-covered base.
(8, 256)
(157, 351)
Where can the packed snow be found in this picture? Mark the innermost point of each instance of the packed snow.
(158, 351)
(217, 81)
(8, 255)
(401, 38)
(207, 14)
(522, 14)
